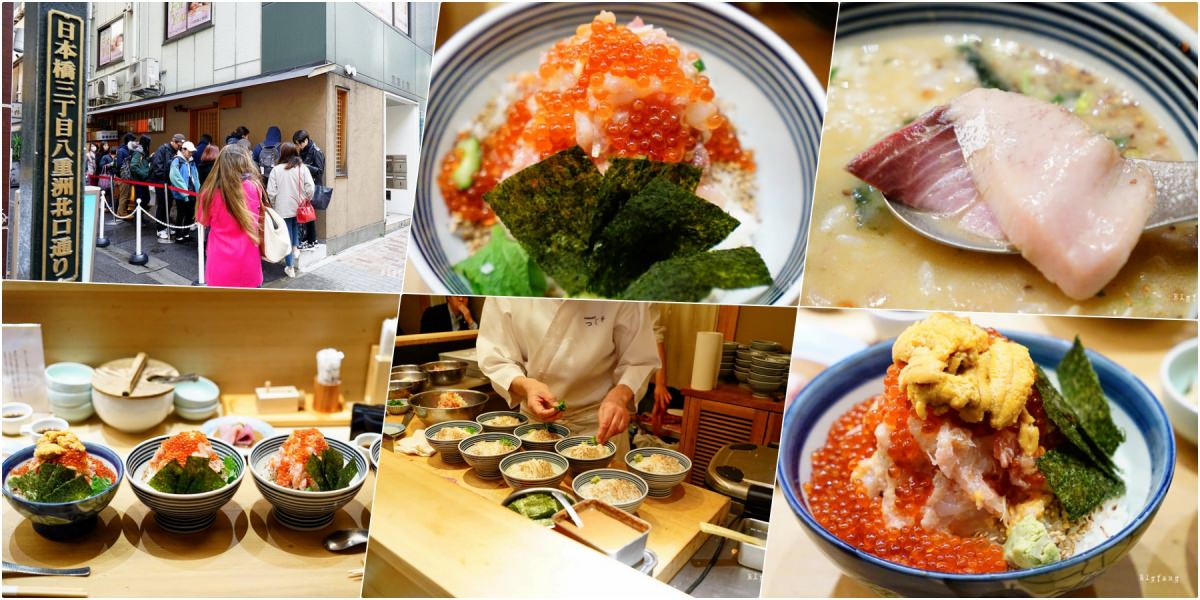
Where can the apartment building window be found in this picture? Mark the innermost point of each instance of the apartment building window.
(393, 13)
(340, 136)
(111, 39)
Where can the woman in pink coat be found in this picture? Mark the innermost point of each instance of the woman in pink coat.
(229, 206)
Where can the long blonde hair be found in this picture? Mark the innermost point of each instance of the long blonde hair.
(233, 166)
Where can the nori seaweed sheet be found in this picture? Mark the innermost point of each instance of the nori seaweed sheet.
(691, 278)
(1064, 418)
(552, 209)
(1082, 391)
(625, 177)
(195, 477)
(1078, 484)
(660, 222)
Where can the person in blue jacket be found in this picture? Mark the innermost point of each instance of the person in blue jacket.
(184, 177)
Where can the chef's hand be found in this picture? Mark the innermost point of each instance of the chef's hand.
(662, 395)
(614, 414)
(538, 398)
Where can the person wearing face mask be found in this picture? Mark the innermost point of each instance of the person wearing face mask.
(160, 173)
(454, 315)
(184, 177)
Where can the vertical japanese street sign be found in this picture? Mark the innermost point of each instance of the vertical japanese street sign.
(62, 147)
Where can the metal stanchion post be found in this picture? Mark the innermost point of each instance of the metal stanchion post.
(101, 240)
(138, 257)
(200, 253)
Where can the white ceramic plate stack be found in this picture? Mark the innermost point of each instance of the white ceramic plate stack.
(197, 400)
(768, 373)
(69, 390)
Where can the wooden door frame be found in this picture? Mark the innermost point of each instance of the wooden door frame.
(193, 113)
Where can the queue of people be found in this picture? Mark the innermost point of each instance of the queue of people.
(220, 187)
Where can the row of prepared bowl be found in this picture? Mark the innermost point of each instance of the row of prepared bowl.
(187, 513)
(558, 454)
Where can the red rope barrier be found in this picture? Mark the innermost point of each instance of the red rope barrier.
(148, 184)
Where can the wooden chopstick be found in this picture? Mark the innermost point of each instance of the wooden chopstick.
(42, 591)
(139, 365)
(736, 536)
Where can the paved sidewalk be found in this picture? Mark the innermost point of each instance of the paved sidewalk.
(374, 266)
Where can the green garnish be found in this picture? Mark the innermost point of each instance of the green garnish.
(595, 479)
(1081, 388)
(502, 268)
(983, 71)
(561, 406)
(601, 235)
(329, 471)
(231, 469)
(833, 73)
(506, 442)
(683, 225)
(638, 458)
(699, 64)
(1076, 482)
(468, 166)
(53, 483)
(194, 477)
(691, 278)
(395, 402)
(1084, 103)
(869, 209)
(1121, 141)
(539, 507)
(470, 429)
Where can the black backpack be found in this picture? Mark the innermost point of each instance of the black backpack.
(267, 157)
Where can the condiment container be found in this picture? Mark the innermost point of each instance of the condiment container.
(278, 399)
(749, 555)
(630, 553)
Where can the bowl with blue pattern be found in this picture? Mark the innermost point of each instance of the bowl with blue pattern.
(64, 520)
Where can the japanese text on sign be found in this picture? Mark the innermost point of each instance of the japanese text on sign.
(63, 111)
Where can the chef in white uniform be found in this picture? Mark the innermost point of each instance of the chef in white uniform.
(596, 356)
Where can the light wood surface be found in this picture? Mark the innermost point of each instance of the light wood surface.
(245, 553)
(421, 339)
(435, 494)
(237, 338)
(1162, 563)
(246, 406)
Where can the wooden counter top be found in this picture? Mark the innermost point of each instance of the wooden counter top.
(245, 553)
(450, 503)
(732, 393)
(421, 339)
(1162, 563)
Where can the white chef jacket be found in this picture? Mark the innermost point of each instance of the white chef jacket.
(581, 349)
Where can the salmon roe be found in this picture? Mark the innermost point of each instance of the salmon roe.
(843, 507)
(182, 445)
(634, 95)
(295, 451)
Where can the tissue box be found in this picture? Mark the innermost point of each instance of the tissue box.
(278, 399)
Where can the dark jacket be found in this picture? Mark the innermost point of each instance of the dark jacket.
(314, 159)
(160, 163)
(122, 156)
(274, 137)
(203, 168)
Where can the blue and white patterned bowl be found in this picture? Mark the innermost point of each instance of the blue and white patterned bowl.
(486, 417)
(589, 476)
(181, 513)
(449, 448)
(64, 520)
(519, 483)
(487, 467)
(1146, 458)
(376, 450)
(298, 509)
(579, 465)
(561, 430)
(660, 485)
(776, 103)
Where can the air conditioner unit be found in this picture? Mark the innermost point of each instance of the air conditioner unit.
(145, 78)
(107, 88)
(93, 93)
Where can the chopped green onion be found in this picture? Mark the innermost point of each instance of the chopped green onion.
(699, 64)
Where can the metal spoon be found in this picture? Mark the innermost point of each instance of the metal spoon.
(345, 539)
(562, 499)
(1175, 190)
(160, 378)
(31, 570)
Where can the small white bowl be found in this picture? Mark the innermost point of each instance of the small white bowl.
(68, 399)
(1179, 381)
(70, 377)
(891, 323)
(21, 413)
(196, 414)
(365, 440)
(74, 414)
(132, 415)
(34, 430)
(196, 394)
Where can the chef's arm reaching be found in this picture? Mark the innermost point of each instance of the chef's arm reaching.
(498, 351)
(614, 412)
(539, 400)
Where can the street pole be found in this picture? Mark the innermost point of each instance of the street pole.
(138, 258)
(101, 240)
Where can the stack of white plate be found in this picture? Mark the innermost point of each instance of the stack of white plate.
(69, 389)
(197, 400)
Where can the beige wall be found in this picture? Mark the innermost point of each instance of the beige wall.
(358, 204)
(766, 323)
(290, 104)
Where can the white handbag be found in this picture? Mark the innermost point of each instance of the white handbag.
(276, 241)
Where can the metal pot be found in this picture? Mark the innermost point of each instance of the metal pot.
(424, 405)
(445, 372)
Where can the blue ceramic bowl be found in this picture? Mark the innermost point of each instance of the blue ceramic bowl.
(64, 520)
(776, 103)
(298, 509)
(1148, 433)
(486, 421)
(587, 477)
(182, 513)
(561, 430)
(487, 467)
(661, 485)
